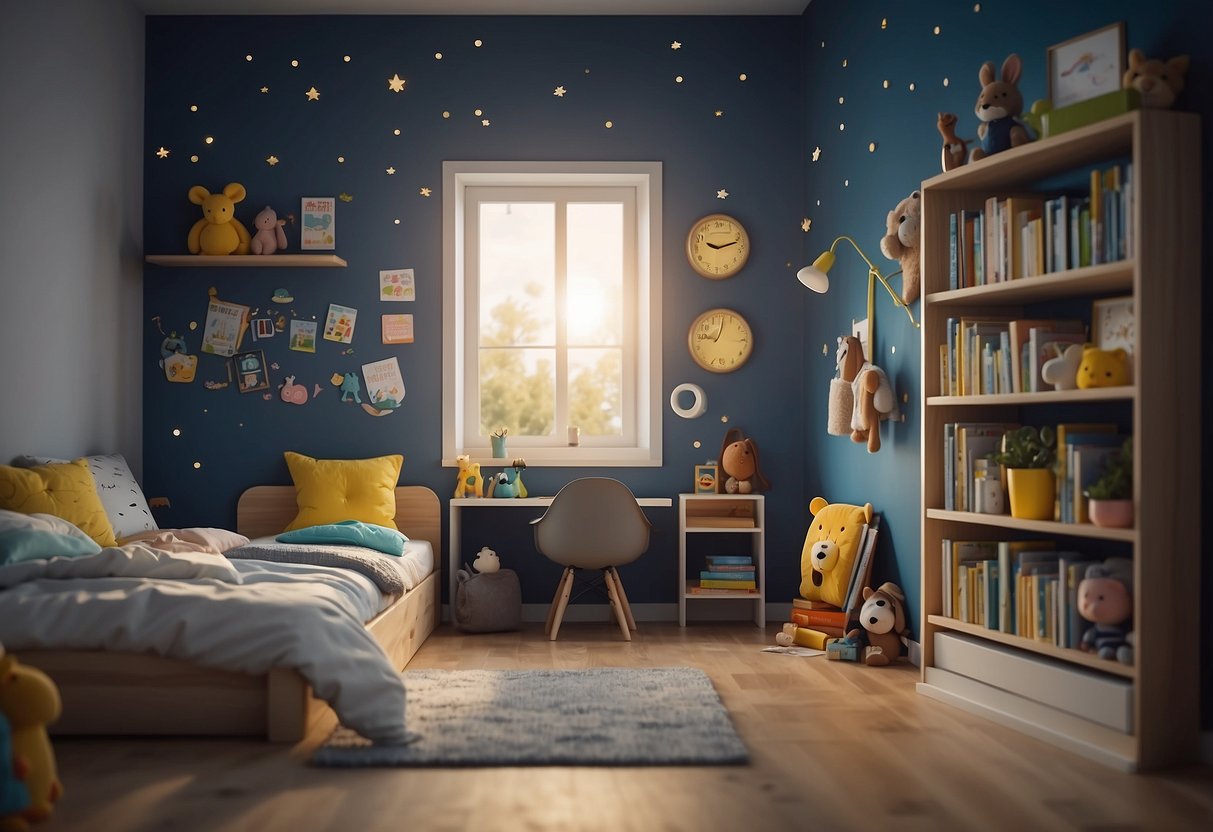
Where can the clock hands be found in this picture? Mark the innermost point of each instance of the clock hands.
(722, 245)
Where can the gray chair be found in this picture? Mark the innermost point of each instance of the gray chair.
(593, 524)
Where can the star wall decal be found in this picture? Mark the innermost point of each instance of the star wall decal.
(806, 224)
(719, 113)
(265, 89)
(559, 92)
(722, 194)
(675, 45)
(396, 83)
(271, 160)
(313, 94)
(485, 122)
(163, 152)
(816, 153)
(425, 192)
(344, 197)
(391, 171)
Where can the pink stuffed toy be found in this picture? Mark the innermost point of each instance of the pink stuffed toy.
(269, 236)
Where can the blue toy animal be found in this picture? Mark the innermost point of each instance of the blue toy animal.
(14, 796)
(351, 387)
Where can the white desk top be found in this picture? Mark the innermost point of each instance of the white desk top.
(506, 502)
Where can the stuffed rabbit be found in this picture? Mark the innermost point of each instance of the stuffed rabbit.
(998, 108)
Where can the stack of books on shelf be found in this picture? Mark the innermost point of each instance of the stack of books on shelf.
(1002, 355)
(727, 575)
(1017, 237)
(828, 619)
(1027, 588)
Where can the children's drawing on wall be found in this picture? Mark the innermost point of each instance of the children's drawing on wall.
(397, 285)
(339, 326)
(318, 228)
(263, 328)
(178, 365)
(303, 336)
(384, 386)
(251, 372)
(293, 393)
(397, 329)
(224, 327)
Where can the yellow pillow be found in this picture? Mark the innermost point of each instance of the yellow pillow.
(332, 490)
(64, 489)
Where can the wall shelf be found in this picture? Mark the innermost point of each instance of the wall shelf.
(229, 260)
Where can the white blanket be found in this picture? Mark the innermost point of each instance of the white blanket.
(205, 609)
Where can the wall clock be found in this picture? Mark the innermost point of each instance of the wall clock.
(720, 340)
(717, 246)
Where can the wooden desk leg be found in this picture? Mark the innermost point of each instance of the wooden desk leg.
(623, 596)
(616, 604)
(566, 587)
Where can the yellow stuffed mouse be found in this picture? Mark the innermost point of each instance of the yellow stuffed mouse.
(218, 232)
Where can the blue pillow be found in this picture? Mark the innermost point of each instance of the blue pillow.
(351, 533)
(30, 544)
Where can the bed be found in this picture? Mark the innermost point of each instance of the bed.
(119, 693)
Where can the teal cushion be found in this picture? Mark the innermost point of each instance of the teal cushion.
(351, 533)
(30, 544)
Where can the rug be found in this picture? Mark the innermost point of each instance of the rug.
(598, 717)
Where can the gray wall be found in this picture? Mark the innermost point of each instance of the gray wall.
(70, 272)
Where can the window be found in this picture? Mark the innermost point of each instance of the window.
(551, 311)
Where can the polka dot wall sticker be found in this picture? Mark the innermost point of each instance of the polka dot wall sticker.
(341, 160)
(677, 79)
(844, 63)
(609, 125)
(912, 87)
(945, 82)
(841, 100)
(872, 147)
(478, 112)
(295, 64)
(248, 58)
(396, 83)
(163, 152)
(884, 23)
(396, 221)
(885, 83)
(209, 140)
(345, 58)
(194, 158)
(976, 8)
(313, 94)
(396, 132)
(446, 113)
(936, 30)
(696, 444)
(437, 56)
(478, 43)
(193, 108)
(841, 126)
(741, 77)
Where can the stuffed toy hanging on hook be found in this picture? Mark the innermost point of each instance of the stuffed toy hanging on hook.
(871, 392)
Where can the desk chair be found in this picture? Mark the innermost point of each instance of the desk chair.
(593, 523)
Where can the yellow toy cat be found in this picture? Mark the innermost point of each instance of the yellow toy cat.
(470, 483)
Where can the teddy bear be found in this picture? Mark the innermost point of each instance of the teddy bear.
(269, 236)
(486, 561)
(871, 393)
(998, 108)
(831, 546)
(900, 243)
(1105, 598)
(882, 621)
(1159, 83)
(1102, 368)
(469, 483)
(218, 232)
(29, 701)
(739, 462)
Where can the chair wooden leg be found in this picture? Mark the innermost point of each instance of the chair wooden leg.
(566, 588)
(623, 596)
(616, 604)
(547, 628)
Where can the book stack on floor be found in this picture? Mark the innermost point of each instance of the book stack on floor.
(727, 575)
(831, 621)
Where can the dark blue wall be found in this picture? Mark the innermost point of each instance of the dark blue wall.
(902, 123)
(618, 69)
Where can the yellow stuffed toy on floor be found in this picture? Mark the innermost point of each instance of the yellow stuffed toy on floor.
(29, 700)
(830, 549)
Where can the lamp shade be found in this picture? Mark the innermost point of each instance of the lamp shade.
(815, 276)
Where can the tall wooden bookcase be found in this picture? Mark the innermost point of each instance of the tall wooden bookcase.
(1164, 278)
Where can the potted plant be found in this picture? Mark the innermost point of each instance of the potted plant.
(1028, 454)
(1110, 498)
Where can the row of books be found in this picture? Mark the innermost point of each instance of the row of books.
(727, 575)
(1027, 588)
(988, 355)
(832, 620)
(1016, 237)
(1083, 449)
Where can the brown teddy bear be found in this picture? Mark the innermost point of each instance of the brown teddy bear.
(901, 241)
(739, 462)
(883, 622)
(1159, 83)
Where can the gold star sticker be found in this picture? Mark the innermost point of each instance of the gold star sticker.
(719, 113)
(425, 192)
(163, 152)
(559, 92)
(722, 194)
(271, 160)
(313, 94)
(485, 122)
(816, 153)
(390, 171)
(806, 224)
(675, 45)
(344, 197)
(396, 83)
(265, 89)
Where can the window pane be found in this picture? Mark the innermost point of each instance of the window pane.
(518, 391)
(595, 391)
(517, 273)
(595, 273)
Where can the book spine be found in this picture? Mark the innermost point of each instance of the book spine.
(729, 560)
(726, 584)
(953, 271)
(727, 576)
(817, 619)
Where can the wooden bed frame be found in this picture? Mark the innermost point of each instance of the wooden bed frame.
(141, 693)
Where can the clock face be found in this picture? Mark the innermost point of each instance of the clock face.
(717, 246)
(720, 340)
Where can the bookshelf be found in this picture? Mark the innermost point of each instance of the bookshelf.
(255, 260)
(736, 522)
(1163, 274)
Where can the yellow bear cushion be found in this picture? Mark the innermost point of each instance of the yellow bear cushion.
(332, 490)
(64, 489)
(830, 549)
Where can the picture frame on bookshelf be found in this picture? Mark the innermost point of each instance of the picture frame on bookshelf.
(705, 478)
(1086, 66)
(1113, 324)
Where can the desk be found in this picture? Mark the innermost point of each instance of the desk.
(460, 503)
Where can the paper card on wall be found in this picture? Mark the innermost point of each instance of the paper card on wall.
(251, 372)
(303, 335)
(397, 329)
(224, 328)
(263, 328)
(318, 225)
(397, 284)
(339, 325)
(384, 384)
(859, 329)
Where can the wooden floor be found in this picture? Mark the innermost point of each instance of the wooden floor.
(834, 746)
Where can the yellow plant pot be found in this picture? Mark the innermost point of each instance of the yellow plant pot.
(1031, 493)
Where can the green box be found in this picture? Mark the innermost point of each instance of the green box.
(1090, 111)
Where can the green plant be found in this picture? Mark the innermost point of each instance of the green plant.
(1116, 481)
(1028, 447)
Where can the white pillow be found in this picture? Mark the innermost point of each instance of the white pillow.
(120, 495)
(39, 522)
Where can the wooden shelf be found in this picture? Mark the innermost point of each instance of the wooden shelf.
(297, 261)
(716, 594)
(1094, 394)
(697, 513)
(1106, 278)
(1006, 521)
(1042, 647)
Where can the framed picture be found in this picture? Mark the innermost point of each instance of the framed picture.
(317, 228)
(1087, 66)
(1113, 324)
(251, 372)
(705, 478)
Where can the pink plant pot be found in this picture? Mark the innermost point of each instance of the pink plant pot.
(1116, 514)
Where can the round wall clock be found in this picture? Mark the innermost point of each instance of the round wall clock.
(720, 340)
(717, 246)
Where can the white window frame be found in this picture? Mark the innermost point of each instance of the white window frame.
(641, 397)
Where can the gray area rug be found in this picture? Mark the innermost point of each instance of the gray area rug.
(597, 717)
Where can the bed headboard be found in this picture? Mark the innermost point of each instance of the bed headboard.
(267, 509)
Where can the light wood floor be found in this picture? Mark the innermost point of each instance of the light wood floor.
(834, 746)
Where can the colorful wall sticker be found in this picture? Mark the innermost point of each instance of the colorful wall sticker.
(397, 285)
(319, 225)
(397, 329)
(384, 384)
(339, 326)
(303, 336)
(293, 393)
(251, 371)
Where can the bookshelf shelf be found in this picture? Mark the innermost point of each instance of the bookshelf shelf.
(244, 260)
(1164, 279)
(723, 514)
